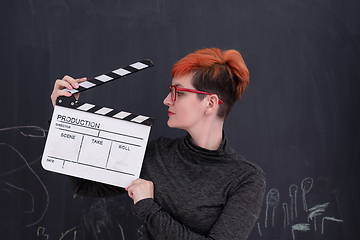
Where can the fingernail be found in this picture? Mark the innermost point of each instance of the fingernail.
(69, 94)
(70, 87)
(76, 85)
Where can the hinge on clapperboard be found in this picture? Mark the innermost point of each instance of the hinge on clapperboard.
(94, 142)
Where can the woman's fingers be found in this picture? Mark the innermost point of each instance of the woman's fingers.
(140, 189)
(66, 82)
(73, 83)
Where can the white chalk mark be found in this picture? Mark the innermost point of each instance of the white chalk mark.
(316, 211)
(293, 193)
(122, 232)
(68, 231)
(140, 231)
(42, 134)
(329, 219)
(300, 227)
(272, 200)
(23, 190)
(286, 214)
(306, 186)
(259, 229)
(42, 232)
(33, 172)
(42, 131)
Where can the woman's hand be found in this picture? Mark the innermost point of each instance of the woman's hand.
(67, 82)
(140, 189)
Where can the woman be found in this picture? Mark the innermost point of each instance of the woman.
(195, 187)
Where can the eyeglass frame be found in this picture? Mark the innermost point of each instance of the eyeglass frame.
(188, 90)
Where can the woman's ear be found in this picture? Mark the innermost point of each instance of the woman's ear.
(212, 105)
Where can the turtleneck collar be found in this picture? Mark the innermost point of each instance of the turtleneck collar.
(195, 148)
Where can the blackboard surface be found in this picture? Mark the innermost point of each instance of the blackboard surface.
(299, 119)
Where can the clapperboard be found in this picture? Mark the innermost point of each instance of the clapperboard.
(97, 143)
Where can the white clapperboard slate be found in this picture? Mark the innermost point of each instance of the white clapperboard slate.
(97, 143)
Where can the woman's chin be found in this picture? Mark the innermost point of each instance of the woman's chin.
(169, 123)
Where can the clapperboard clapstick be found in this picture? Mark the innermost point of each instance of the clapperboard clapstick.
(110, 76)
(95, 142)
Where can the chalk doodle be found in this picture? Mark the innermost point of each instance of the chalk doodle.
(70, 233)
(259, 229)
(286, 214)
(23, 163)
(100, 219)
(316, 211)
(306, 186)
(67, 232)
(140, 232)
(299, 227)
(122, 231)
(328, 219)
(272, 200)
(41, 233)
(292, 193)
(290, 215)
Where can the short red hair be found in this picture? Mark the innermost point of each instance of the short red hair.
(220, 72)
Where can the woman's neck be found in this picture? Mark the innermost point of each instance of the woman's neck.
(208, 136)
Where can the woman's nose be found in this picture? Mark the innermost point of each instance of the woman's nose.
(168, 101)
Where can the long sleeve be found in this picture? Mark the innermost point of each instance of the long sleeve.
(235, 221)
(198, 193)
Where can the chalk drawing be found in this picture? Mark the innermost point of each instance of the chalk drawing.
(22, 129)
(286, 214)
(67, 232)
(122, 231)
(312, 214)
(36, 132)
(299, 227)
(42, 230)
(306, 186)
(329, 219)
(258, 225)
(27, 194)
(272, 200)
(98, 216)
(293, 193)
(316, 211)
(140, 231)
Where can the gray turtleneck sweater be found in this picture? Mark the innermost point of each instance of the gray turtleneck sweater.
(198, 193)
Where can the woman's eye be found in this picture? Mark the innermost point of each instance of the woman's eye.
(179, 93)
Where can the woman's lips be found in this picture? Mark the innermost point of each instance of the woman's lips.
(170, 113)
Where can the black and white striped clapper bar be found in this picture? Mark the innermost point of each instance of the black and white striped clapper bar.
(110, 76)
(97, 143)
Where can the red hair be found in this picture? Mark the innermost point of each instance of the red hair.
(219, 72)
(213, 60)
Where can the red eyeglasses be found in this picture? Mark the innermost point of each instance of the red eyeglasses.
(174, 92)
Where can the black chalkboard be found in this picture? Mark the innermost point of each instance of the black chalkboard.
(299, 119)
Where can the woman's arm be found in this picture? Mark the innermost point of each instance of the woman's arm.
(236, 220)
